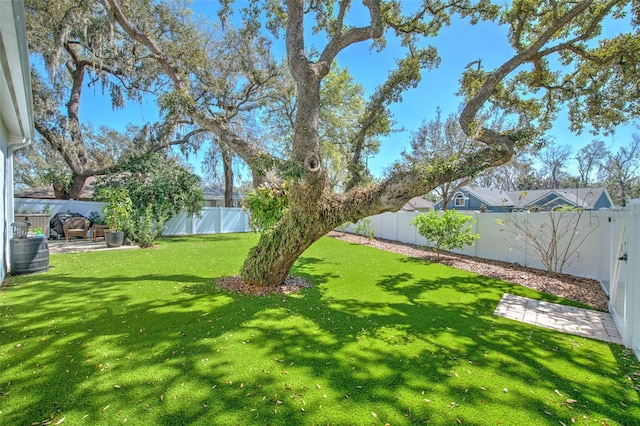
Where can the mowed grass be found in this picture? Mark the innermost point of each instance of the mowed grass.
(145, 337)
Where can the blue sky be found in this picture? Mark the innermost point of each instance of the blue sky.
(458, 45)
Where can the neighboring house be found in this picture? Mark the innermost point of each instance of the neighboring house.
(549, 199)
(418, 204)
(479, 199)
(214, 196)
(47, 193)
(496, 200)
(16, 111)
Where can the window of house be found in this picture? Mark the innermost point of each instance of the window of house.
(458, 200)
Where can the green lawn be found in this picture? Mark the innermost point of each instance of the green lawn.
(145, 337)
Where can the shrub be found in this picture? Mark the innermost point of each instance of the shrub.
(365, 228)
(266, 206)
(146, 227)
(445, 230)
(343, 228)
(555, 242)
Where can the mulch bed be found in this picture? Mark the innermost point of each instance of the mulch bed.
(291, 285)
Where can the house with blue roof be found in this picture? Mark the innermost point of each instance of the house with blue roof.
(493, 200)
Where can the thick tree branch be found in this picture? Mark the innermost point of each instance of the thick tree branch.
(298, 61)
(473, 106)
(342, 39)
(586, 35)
(404, 184)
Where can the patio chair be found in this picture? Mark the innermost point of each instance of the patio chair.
(76, 227)
(97, 232)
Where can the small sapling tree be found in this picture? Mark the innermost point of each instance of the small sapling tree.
(555, 240)
(445, 230)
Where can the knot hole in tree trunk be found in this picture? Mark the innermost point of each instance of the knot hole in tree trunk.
(312, 163)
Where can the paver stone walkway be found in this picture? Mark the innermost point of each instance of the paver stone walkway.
(567, 319)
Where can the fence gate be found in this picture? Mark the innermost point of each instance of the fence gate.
(624, 291)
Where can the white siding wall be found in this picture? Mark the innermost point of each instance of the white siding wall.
(6, 213)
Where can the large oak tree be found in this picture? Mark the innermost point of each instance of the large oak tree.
(594, 77)
(76, 48)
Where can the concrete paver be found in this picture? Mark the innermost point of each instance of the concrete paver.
(567, 319)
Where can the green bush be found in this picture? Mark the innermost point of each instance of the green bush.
(365, 228)
(117, 207)
(157, 188)
(266, 206)
(445, 230)
(146, 227)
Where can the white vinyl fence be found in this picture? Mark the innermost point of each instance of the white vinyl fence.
(215, 220)
(500, 240)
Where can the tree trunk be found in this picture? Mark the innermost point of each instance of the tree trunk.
(314, 212)
(227, 159)
(73, 191)
(269, 262)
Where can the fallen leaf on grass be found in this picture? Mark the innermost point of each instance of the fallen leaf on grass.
(571, 401)
(375, 416)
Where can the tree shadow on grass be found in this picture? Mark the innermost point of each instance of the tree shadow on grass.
(173, 349)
